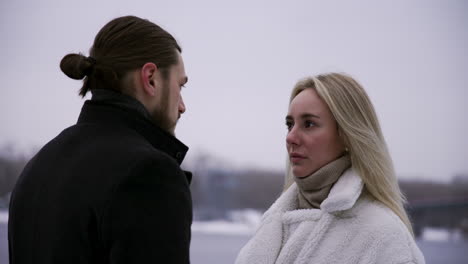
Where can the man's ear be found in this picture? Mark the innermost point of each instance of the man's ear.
(149, 78)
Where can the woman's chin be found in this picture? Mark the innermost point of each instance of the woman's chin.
(299, 173)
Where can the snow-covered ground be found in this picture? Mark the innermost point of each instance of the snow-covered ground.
(218, 242)
(3, 216)
(441, 235)
(221, 227)
(244, 222)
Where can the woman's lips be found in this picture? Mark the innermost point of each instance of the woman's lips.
(296, 158)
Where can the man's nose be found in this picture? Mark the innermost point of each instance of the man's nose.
(181, 106)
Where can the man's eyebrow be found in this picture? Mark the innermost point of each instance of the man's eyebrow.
(185, 80)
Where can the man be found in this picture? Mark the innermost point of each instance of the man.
(110, 189)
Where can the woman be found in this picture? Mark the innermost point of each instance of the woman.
(341, 202)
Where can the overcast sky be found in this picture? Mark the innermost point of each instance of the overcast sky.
(243, 57)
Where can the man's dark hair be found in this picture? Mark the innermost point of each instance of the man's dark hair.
(122, 45)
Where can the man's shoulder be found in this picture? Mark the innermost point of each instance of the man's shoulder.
(153, 166)
(113, 139)
(153, 159)
(120, 150)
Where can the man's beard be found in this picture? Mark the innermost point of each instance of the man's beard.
(161, 119)
(161, 115)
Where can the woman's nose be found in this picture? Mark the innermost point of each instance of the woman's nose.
(292, 137)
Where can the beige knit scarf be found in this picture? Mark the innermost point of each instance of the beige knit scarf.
(313, 189)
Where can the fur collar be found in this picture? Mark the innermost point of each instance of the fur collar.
(343, 195)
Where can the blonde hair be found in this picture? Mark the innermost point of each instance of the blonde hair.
(361, 133)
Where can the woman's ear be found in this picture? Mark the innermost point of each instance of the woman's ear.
(343, 138)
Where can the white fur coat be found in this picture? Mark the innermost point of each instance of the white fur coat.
(348, 228)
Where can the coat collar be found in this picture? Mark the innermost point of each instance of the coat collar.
(109, 107)
(343, 195)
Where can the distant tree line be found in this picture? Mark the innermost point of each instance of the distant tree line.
(216, 191)
(439, 205)
(10, 168)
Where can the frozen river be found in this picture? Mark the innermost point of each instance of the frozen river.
(222, 249)
(215, 248)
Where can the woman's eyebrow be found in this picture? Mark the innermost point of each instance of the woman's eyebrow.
(303, 116)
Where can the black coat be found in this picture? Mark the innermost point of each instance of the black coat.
(106, 190)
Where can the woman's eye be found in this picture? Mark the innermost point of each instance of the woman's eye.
(308, 124)
(289, 125)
